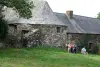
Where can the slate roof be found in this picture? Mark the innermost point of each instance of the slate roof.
(41, 14)
(80, 24)
(62, 17)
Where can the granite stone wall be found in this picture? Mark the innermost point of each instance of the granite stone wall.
(27, 35)
(91, 37)
(91, 41)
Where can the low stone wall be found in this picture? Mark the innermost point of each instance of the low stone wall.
(23, 35)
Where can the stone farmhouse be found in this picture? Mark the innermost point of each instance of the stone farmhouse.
(50, 28)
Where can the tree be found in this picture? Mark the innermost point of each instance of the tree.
(21, 6)
(98, 15)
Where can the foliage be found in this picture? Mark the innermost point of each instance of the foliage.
(97, 48)
(45, 57)
(98, 15)
(3, 28)
(84, 40)
(21, 6)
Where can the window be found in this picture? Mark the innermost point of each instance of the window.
(25, 31)
(58, 29)
(12, 25)
(90, 45)
(12, 28)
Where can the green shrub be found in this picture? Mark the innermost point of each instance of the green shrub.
(3, 28)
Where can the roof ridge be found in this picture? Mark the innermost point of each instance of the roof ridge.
(78, 15)
(86, 16)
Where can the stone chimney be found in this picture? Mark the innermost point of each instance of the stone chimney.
(69, 13)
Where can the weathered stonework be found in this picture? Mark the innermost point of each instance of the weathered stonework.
(92, 39)
(25, 35)
(43, 28)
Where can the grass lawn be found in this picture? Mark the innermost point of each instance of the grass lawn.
(45, 57)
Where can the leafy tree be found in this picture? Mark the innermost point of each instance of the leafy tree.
(21, 6)
(98, 16)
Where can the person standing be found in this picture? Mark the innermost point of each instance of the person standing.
(70, 48)
(83, 50)
(74, 48)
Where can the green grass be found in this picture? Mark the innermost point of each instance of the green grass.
(45, 57)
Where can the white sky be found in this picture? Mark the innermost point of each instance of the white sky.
(88, 8)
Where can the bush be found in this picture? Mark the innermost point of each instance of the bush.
(96, 49)
(3, 28)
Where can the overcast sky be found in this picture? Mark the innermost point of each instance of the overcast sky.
(88, 8)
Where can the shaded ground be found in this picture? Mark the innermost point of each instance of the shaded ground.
(45, 57)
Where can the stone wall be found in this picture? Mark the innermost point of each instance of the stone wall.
(92, 37)
(88, 40)
(24, 35)
(51, 36)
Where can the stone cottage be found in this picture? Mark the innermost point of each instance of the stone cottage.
(44, 28)
(81, 28)
(50, 28)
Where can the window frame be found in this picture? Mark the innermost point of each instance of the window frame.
(58, 29)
